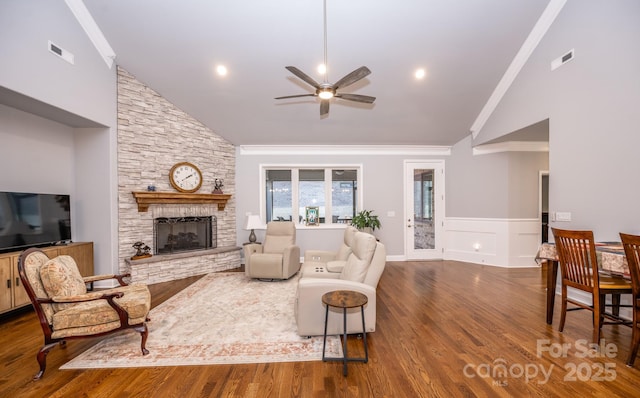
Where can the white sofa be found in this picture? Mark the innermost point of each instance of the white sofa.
(328, 262)
(361, 273)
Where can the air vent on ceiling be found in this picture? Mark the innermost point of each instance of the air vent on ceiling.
(60, 52)
(562, 59)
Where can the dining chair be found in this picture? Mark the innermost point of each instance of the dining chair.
(631, 244)
(579, 267)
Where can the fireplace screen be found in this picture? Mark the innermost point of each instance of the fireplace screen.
(181, 234)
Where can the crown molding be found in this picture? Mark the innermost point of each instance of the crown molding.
(412, 150)
(80, 11)
(512, 146)
(537, 33)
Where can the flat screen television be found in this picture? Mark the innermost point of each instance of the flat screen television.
(33, 220)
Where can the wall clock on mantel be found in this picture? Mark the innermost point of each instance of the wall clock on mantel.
(185, 177)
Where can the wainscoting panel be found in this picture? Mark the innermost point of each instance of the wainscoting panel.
(499, 242)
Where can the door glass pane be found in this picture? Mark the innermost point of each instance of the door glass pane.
(278, 195)
(423, 211)
(343, 195)
(311, 191)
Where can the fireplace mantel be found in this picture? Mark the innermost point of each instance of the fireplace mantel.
(144, 199)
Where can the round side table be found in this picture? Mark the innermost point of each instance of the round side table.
(345, 299)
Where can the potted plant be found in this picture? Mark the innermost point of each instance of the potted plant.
(366, 221)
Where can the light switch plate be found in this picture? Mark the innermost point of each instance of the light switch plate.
(563, 216)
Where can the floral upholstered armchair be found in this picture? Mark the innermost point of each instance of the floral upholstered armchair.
(66, 310)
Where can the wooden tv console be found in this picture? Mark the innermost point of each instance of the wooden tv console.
(13, 295)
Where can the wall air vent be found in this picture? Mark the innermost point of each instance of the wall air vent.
(60, 52)
(562, 59)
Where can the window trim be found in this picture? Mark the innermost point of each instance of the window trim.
(263, 167)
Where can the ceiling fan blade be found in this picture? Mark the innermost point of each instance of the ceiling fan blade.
(296, 96)
(303, 76)
(324, 107)
(357, 97)
(352, 77)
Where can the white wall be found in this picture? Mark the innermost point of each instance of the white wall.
(37, 155)
(28, 67)
(492, 206)
(476, 185)
(80, 160)
(592, 106)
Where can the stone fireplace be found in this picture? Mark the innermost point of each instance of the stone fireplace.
(179, 236)
(154, 135)
(183, 234)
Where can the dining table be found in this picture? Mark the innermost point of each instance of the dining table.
(610, 256)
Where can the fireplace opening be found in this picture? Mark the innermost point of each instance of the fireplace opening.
(181, 234)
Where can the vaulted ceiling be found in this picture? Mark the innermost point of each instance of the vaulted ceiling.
(465, 46)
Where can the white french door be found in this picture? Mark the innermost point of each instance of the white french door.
(424, 209)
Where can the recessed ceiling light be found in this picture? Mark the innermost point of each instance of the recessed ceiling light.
(420, 73)
(322, 69)
(221, 70)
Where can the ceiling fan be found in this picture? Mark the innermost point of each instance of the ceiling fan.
(325, 91)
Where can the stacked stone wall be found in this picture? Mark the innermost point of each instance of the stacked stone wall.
(153, 135)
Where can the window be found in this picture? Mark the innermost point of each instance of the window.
(278, 195)
(311, 192)
(333, 189)
(423, 194)
(344, 187)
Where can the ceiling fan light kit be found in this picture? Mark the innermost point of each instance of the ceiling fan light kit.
(326, 90)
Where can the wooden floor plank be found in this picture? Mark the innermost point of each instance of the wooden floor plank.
(444, 328)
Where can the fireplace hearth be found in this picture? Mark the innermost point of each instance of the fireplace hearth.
(182, 234)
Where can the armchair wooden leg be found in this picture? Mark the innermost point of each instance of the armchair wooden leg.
(144, 333)
(42, 358)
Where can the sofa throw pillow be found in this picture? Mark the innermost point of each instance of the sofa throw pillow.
(60, 277)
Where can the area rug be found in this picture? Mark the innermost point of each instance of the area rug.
(223, 318)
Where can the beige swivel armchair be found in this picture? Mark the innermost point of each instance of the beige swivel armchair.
(278, 257)
(361, 273)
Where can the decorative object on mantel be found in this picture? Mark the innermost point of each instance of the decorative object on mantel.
(151, 188)
(366, 221)
(144, 199)
(185, 177)
(253, 222)
(142, 251)
(218, 186)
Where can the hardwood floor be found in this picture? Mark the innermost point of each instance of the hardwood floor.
(444, 329)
